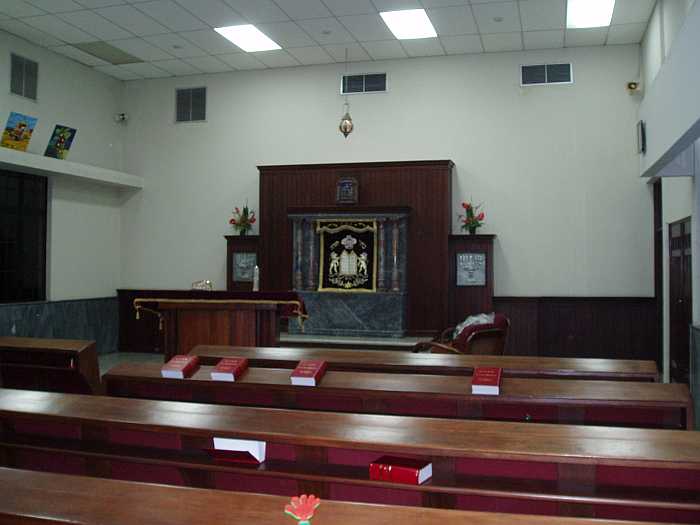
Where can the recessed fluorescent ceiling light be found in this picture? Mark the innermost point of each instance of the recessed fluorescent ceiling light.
(248, 37)
(581, 14)
(410, 23)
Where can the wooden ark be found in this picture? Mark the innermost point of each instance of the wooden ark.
(423, 186)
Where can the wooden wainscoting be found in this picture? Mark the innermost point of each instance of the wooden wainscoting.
(603, 327)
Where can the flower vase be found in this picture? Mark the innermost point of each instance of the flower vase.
(472, 230)
(242, 233)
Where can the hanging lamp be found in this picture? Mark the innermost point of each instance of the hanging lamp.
(346, 126)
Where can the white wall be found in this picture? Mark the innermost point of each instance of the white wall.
(554, 166)
(84, 219)
(671, 104)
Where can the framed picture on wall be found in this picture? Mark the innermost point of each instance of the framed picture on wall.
(471, 269)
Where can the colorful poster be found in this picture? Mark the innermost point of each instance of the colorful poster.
(18, 131)
(60, 142)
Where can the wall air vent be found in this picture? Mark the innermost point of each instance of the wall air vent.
(363, 83)
(191, 104)
(24, 76)
(540, 74)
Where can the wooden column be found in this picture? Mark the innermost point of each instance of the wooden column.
(472, 299)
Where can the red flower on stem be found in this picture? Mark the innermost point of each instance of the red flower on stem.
(302, 508)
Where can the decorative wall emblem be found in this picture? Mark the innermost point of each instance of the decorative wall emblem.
(348, 255)
(471, 269)
(244, 266)
(346, 191)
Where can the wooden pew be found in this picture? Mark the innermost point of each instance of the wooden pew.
(55, 365)
(615, 403)
(601, 472)
(41, 498)
(410, 363)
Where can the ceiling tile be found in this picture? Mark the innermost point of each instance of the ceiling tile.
(384, 50)
(544, 39)
(502, 42)
(632, 11)
(117, 72)
(20, 8)
(258, 11)
(326, 31)
(287, 34)
(443, 3)
(242, 61)
(19, 28)
(538, 15)
(94, 4)
(59, 29)
(141, 49)
(301, 9)
(455, 45)
(366, 28)
(311, 55)
(213, 12)
(457, 20)
(343, 7)
(80, 56)
(585, 37)
(146, 70)
(55, 6)
(396, 5)
(487, 15)
(626, 33)
(176, 67)
(171, 15)
(276, 58)
(94, 24)
(355, 52)
(208, 64)
(211, 42)
(133, 20)
(423, 47)
(175, 45)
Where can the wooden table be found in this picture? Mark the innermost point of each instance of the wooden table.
(58, 365)
(406, 362)
(200, 317)
(618, 403)
(585, 471)
(41, 498)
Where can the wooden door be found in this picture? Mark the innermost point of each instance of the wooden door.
(680, 299)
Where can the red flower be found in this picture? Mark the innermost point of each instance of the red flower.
(480, 217)
(232, 221)
(466, 205)
(252, 221)
(302, 508)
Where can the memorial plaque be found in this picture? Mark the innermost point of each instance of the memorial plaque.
(244, 266)
(471, 269)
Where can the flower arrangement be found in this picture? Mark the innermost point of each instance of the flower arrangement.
(472, 218)
(242, 220)
(302, 508)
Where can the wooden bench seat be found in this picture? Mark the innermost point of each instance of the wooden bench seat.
(602, 472)
(56, 365)
(41, 498)
(406, 362)
(619, 403)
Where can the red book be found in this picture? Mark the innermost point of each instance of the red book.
(229, 369)
(400, 470)
(487, 380)
(308, 373)
(180, 367)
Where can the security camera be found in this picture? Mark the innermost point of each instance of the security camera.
(121, 118)
(633, 87)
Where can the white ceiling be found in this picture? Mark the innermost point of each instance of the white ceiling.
(175, 37)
